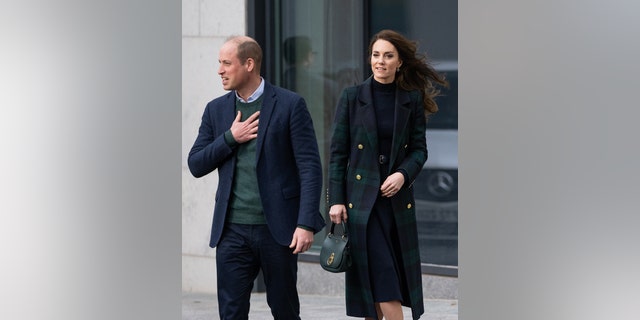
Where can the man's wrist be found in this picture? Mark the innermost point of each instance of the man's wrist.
(229, 139)
(306, 228)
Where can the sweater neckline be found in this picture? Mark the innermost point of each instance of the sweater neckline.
(386, 87)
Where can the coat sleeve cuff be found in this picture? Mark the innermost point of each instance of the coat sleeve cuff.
(306, 228)
(228, 138)
(405, 174)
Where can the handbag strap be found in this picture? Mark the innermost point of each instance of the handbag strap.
(344, 228)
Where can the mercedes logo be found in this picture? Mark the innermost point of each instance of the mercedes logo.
(440, 183)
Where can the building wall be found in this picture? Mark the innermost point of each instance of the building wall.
(205, 26)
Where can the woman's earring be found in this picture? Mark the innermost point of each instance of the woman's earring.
(398, 69)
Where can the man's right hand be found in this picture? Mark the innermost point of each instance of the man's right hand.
(243, 131)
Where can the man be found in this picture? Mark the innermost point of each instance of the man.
(262, 141)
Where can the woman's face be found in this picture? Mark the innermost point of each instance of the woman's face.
(384, 61)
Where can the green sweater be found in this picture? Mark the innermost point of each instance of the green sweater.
(245, 206)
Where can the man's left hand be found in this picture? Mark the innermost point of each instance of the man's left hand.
(302, 240)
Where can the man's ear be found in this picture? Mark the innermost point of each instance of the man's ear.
(251, 64)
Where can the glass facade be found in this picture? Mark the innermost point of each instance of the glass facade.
(318, 48)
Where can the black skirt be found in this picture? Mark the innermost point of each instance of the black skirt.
(382, 249)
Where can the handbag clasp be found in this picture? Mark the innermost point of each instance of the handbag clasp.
(330, 259)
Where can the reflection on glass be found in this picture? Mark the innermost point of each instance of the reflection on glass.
(322, 53)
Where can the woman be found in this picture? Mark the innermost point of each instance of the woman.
(377, 150)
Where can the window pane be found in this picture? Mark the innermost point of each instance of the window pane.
(322, 53)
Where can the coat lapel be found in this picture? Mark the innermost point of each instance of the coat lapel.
(368, 114)
(268, 105)
(401, 118)
(228, 111)
(400, 126)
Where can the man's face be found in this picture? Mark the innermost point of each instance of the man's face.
(234, 75)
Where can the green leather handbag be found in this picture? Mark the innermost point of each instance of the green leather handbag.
(334, 255)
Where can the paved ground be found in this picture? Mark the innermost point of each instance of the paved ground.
(312, 307)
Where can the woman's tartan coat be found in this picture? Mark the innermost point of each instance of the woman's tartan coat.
(354, 180)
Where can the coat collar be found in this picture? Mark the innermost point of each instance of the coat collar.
(268, 106)
(401, 117)
(365, 97)
(365, 103)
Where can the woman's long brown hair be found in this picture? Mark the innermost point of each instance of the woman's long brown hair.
(416, 73)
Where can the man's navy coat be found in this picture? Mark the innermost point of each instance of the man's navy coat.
(287, 162)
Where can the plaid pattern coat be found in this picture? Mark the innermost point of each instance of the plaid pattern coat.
(354, 180)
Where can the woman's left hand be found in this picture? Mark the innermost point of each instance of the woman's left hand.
(392, 184)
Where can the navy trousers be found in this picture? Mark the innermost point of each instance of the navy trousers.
(243, 251)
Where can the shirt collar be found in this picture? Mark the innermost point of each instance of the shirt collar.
(255, 95)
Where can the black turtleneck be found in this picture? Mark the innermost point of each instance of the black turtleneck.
(384, 98)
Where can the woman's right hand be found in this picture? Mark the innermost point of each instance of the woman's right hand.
(338, 213)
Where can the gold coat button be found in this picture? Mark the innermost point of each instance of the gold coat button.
(360, 146)
(350, 205)
(409, 206)
(358, 177)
